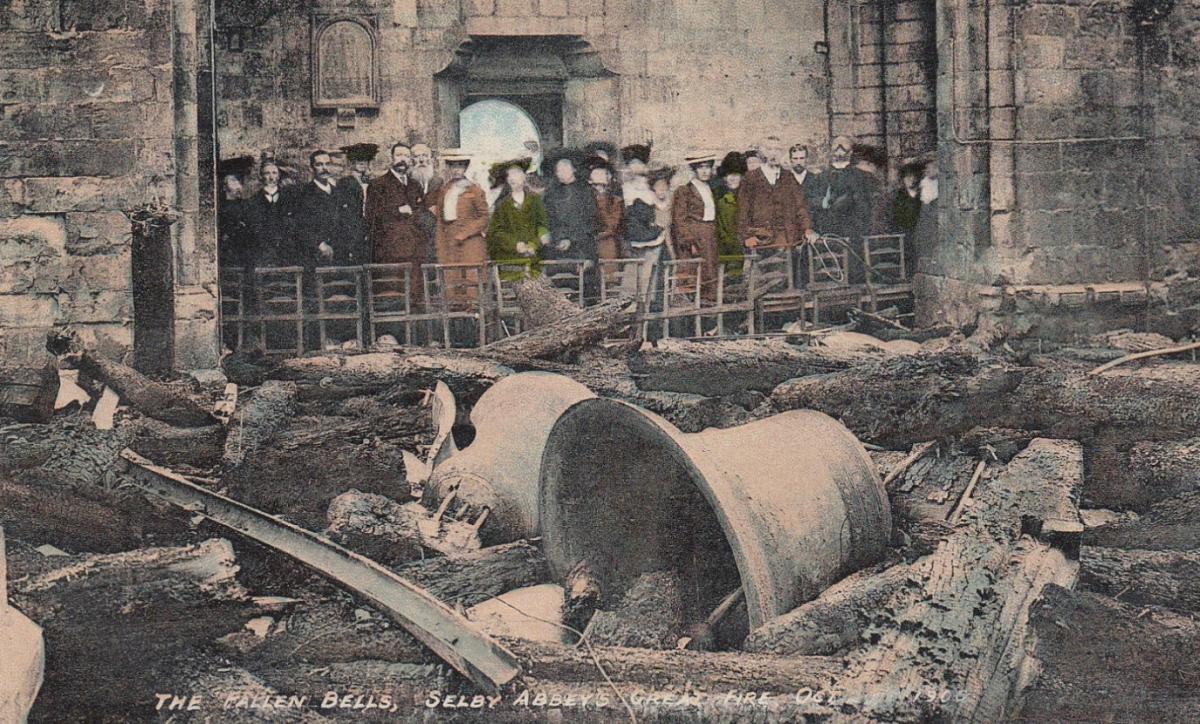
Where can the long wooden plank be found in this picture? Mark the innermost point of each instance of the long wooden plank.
(448, 634)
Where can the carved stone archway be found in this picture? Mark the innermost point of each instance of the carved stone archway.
(546, 76)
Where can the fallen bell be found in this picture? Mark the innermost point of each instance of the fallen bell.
(498, 471)
(782, 507)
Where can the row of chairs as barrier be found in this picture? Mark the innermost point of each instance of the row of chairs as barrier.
(472, 304)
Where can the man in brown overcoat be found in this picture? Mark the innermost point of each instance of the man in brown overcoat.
(694, 222)
(772, 210)
(392, 228)
(462, 220)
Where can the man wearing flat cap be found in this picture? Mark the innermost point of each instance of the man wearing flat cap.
(359, 156)
(694, 221)
(462, 220)
(355, 183)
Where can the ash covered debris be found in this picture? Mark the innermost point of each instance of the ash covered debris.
(989, 456)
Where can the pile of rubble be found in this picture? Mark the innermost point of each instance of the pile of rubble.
(406, 529)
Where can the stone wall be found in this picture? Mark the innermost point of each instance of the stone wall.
(87, 126)
(1068, 139)
(883, 58)
(719, 73)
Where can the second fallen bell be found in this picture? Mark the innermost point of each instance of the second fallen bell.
(498, 471)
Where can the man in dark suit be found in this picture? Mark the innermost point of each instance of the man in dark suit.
(395, 234)
(355, 183)
(267, 223)
(803, 187)
(325, 219)
(847, 203)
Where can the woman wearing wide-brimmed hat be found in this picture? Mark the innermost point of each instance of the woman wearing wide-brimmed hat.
(519, 228)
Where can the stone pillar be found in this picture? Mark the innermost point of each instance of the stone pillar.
(196, 340)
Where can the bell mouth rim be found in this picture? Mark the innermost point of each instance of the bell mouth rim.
(748, 556)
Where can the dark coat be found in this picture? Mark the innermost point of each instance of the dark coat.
(269, 228)
(847, 203)
(330, 218)
(641, 226)
(571, 211)
(231, 232)
(396, 237)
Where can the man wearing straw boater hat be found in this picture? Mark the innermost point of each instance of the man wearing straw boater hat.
(694, 220)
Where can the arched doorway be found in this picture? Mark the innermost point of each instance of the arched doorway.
(497, 130)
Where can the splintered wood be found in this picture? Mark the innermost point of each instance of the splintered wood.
(960, 621)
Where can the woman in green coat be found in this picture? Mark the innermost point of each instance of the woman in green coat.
(730, 172)
(519, 227)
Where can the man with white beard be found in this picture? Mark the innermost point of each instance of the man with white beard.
(424, 173)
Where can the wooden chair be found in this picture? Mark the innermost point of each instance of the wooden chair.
(339, 299)
(504, 276)
(883, 257)
(389, 299)
(235, 295)
(280, 295)
(567, 275)
(457, 291)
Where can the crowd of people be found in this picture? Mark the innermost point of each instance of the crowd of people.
(587, 204)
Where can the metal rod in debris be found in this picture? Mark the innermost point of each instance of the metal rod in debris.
(447, 633)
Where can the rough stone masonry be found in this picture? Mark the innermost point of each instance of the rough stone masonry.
(1065, 131)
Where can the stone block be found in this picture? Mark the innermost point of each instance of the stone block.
(83, 15)
(1046, 228)
(584, 8)
(552, 8)
(29, 310)
(32, 237)
(909, 31)
(68, 158)
(32, 275)
(514, 26)
(94, 233)
(514, 8)
(1045, 86)
(595, 25)
(437, 13)
(476, 8)
(1054, 20)
(87, 306)
(1041, 51)
(44, 122)
(29, 16)
(1046, 191)
(113, 340)
(1037, 159)
(196, 344)
(22, 85)
(109, 272)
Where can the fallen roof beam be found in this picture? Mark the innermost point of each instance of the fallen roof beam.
(473, 654)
